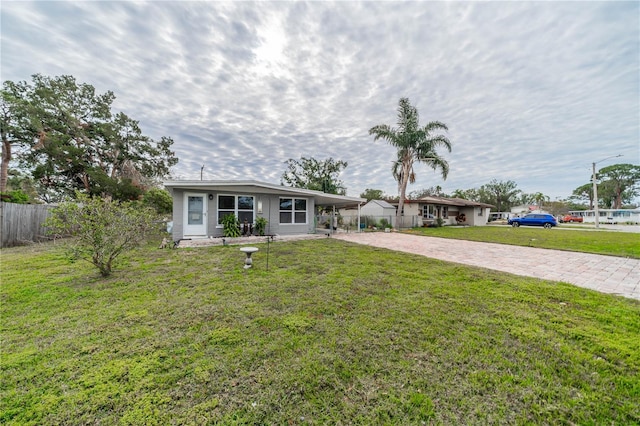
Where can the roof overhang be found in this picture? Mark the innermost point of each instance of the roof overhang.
(256, 187)
(459, 202)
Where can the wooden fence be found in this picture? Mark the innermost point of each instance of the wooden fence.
(22, 223)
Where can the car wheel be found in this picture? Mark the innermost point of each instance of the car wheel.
(515, 224)
(547, 225)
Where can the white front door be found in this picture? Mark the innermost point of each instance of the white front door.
(195, 214)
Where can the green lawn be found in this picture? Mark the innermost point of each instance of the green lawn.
(332, 333)
(623, 244)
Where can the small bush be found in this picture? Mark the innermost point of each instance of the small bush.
(261, 225)
(17, 196)
(230, 226)
(158, 199)
(104, 229)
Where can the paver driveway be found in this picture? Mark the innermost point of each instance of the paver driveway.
(607, 274)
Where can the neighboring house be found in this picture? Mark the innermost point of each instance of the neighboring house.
(453, 211)
(524, 209)
(427, 210)
(378, 210)
(500, 216)
(609, 215)
(198, 206)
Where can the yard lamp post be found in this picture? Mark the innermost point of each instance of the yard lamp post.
(595, 189)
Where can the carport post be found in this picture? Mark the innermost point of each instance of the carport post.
(333, 218)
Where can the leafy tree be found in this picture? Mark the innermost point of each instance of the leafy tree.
(537, 198)
(372, 194)
(73, 141)
(103, 229)
(14, 124)
(159, 200)
(433, 191)
(414, 144)
(467, 194)
(620, 184)
(310, 173)
(584, 192)
(501, 194)
(16, 196)
(18, 181)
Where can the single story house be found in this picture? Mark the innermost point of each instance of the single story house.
(199, 206)
(378, 211)
(630, 216)
(422, 212)
(426, 210)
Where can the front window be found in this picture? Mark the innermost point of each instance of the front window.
(428, 211)
(239, 205)
(293, 210)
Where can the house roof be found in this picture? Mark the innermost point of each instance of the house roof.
(257, 187)
(382, 203)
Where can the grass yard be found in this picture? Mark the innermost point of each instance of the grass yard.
(623, 244)
(333, 333)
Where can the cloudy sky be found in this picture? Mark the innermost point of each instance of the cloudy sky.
(533, 92)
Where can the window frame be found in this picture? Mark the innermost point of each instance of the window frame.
(236, 210)
(293, 211)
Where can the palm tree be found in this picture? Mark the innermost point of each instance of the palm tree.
(539, 198)
(414, 144)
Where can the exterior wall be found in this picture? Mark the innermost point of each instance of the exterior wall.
(270, 211)
(178, 214)
(377, 212)
(609, 215)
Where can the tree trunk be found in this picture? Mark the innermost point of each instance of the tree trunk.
(406, 168)
(4, 166)
(618, 200)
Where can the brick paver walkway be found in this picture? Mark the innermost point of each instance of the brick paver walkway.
(607, 274)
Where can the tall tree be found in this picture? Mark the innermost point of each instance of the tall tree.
(501, 194)
(539, 198)
(620, 183)
(415, 144)
(75, 142)
(584, 192)
(314, 174)
(432, 191)
(467, 194)
(14, 124)
(372, 194)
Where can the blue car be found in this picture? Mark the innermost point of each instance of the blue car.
(533, 219)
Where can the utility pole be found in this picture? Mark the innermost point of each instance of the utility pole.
(595, 197)
(201, 169)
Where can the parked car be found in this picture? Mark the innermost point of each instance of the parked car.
(571, 218)
(533, 219)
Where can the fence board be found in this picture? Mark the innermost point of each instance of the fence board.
(22, 223)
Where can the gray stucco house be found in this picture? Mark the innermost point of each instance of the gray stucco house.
(199, 205)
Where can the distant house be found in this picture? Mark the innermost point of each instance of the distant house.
(199, 206)
(379, 209)
(631, 216)
(524, 209)
(425, 211)
(452, 211)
